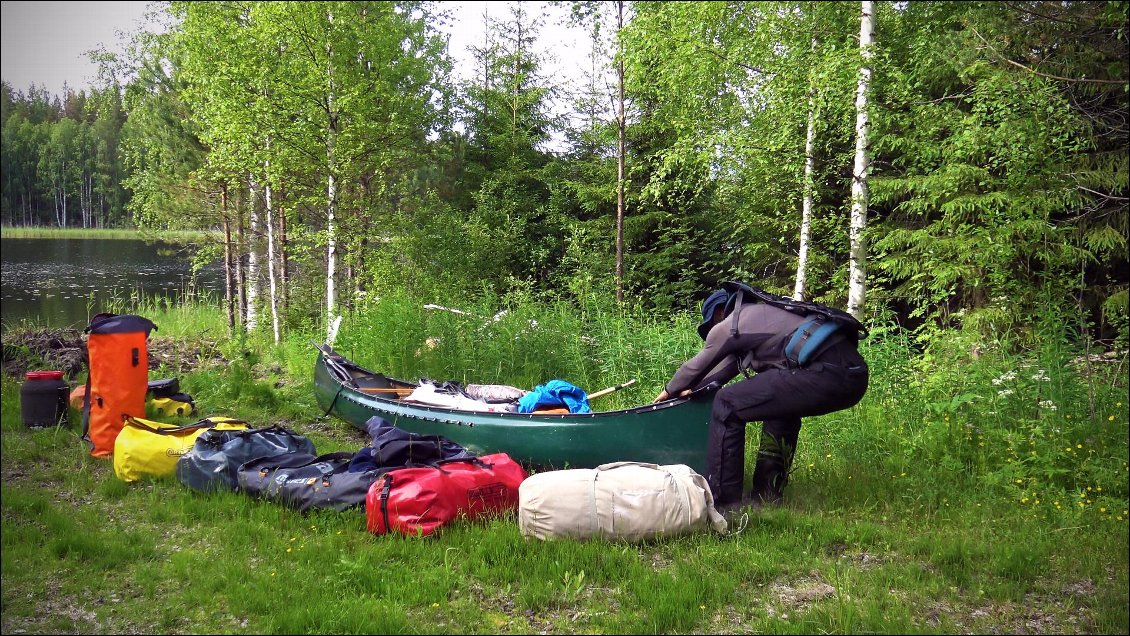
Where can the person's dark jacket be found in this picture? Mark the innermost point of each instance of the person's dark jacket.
(756, 347)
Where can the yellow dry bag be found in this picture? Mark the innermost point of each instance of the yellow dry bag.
(145, 448)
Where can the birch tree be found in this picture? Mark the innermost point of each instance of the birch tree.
(621, 152)
(808, 186)
(345, 96)
(223, 68)
(857, 276)
(271, 266)
(252, 284)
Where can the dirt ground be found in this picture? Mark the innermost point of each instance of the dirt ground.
(65, 350)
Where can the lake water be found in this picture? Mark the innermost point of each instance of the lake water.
(63, 282)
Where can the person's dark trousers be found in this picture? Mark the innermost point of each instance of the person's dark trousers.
(778, 397)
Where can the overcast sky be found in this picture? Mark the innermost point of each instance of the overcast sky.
(45, 43)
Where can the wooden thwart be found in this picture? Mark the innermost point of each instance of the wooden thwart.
(397, 391)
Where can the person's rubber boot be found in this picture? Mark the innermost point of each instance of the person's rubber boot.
(771, 473)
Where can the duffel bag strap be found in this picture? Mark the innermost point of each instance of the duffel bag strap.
(266, 429)
(386, 488)
(137, 423)
(474, 460)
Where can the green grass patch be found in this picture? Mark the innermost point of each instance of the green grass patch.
(172, 236)
(953, 499)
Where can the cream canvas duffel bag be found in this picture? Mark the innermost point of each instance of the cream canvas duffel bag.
(623, 500)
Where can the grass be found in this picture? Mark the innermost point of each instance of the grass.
(100, 233)
(941, 504)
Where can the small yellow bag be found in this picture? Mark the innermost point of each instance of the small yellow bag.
(172, 406)
(145, 448)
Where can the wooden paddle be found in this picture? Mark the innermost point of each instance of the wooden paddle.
(560, 410)
(611, 389)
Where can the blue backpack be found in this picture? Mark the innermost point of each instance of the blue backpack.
(813, 336)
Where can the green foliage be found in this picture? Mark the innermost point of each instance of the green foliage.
(60, 161)
(998, 178)
(999, 181)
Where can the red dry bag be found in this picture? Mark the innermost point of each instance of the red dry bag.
(418, 500)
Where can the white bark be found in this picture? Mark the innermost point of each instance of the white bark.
(229, 283)
(806, 205)
(621, 124)
(63, 192)
(857, 275)
(331, 196)
(271, 253)
(331, 250)
(252, 260)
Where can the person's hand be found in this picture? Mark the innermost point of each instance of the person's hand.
(663, 395)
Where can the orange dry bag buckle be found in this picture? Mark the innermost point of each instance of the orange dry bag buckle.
(118, 362)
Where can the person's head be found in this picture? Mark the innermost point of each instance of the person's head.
(713, 311)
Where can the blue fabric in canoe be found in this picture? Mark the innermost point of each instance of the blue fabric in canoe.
(555, 394)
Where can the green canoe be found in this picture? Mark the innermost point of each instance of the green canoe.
(669, 432)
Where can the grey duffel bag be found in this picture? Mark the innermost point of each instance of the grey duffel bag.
(215, 458)
(305, 482)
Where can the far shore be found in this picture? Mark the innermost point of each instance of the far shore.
(26, 232)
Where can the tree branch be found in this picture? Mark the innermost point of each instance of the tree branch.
(1038, 73)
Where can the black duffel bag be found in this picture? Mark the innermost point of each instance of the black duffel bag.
(393, 447)
(214, 461)
(305, 482)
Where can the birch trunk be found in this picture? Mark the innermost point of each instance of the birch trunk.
(240, 285)
(331, 254)
(88, 205)
(806, 205)
(331, 195)
(229, 296)
(620, 125)
(63, 193)
(857, 275)
(283, 278)
(269, 220)
(253, 232)
(253, 258)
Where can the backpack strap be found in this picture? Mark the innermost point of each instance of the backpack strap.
(737, 300)
(86, 413)
(810, 336)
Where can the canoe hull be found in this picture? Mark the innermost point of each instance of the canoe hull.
(671, 432)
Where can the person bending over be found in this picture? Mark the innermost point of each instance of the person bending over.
(749, 339)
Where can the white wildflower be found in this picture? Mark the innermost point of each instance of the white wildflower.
(1004, 377)
(1005, 393)
(1041, 376)
(1049, 405)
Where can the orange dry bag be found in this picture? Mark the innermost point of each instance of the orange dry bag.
(118, 362)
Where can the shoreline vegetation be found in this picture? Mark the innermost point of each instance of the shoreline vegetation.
(170, 236)
(967, 493)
